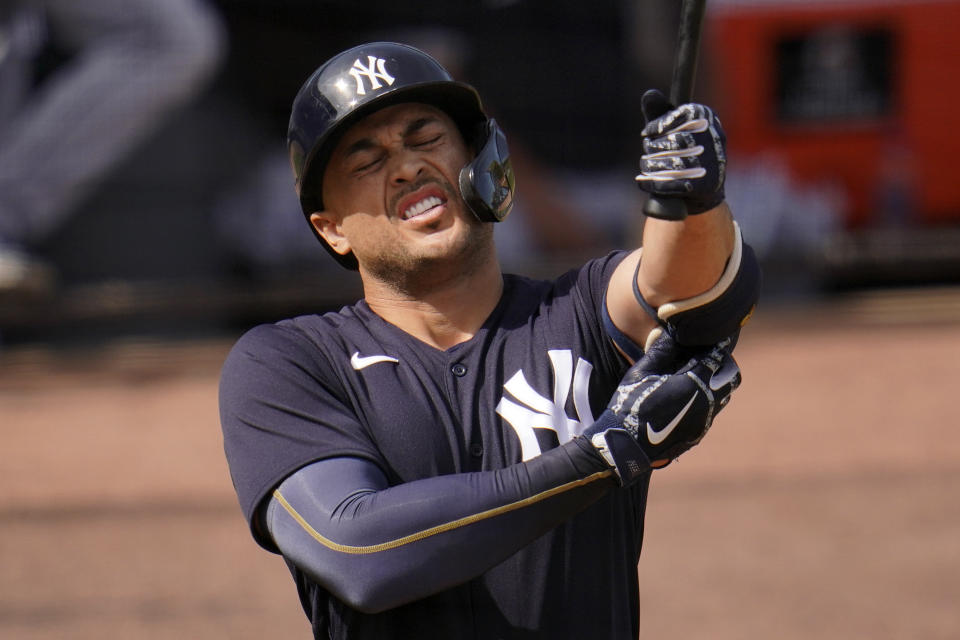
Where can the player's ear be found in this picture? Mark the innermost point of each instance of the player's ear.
(327, 225)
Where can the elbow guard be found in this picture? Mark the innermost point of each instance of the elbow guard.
(720, 312)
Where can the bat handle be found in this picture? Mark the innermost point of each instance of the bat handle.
(681, 91)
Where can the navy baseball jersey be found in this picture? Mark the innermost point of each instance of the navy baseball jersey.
(349, 384)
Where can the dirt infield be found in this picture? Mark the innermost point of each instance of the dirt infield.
(824, 504)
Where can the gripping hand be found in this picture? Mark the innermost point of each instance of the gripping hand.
(664, 405)
(684, 153)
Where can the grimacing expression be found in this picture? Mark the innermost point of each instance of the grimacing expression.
(390, 192)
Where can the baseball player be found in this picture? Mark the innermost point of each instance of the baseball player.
(464, 453)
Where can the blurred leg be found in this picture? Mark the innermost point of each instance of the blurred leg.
(133, 62)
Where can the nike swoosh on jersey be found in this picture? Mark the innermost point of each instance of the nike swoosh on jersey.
(361, 362)
(656, 437)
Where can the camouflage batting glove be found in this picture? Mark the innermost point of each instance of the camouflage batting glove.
(684, 153)
(664, 405)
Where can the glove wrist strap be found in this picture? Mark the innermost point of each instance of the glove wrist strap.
(618, 448)
(622, 452)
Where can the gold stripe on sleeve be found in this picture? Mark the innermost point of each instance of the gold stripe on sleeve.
(449, 526)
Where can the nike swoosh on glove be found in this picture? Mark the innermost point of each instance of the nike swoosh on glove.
(664, 405)
(684, 153)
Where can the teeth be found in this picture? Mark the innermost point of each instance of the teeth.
(427, 203)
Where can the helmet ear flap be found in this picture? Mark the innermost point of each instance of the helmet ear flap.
(487, 182)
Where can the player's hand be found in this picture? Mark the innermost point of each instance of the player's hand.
(684, 153)
(664, 405)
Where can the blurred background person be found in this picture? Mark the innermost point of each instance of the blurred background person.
(124, 65)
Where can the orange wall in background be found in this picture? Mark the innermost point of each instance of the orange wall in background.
(915, 141)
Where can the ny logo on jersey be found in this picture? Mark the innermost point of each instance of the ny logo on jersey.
(539, 412)
(374, 71)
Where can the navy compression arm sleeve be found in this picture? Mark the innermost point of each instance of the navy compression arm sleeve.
(376, 547)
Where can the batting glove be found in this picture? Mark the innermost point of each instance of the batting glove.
(684, 153)
(664, 405)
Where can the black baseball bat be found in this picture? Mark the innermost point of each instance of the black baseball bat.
(681, 91)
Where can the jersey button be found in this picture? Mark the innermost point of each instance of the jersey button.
(476, 449)
(459, 370)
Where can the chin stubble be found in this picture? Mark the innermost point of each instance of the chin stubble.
(411, 275)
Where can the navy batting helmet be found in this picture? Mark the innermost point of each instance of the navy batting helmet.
(372, 76)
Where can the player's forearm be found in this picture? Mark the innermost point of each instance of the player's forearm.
(377, 547)
(683, 259)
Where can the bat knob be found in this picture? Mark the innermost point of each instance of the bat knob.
(665, 208)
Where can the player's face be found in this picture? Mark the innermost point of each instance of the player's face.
(391, 193)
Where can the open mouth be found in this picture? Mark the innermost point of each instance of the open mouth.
(421, 207)
(421, 202)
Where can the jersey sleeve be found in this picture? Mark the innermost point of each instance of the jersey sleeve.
(282, 407)
(590, 283)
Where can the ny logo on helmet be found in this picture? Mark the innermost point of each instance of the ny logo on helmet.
(374, 71)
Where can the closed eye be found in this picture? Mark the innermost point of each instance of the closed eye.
(366, 165)
(420, 144)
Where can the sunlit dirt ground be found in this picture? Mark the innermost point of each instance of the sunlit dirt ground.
(824, 503)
